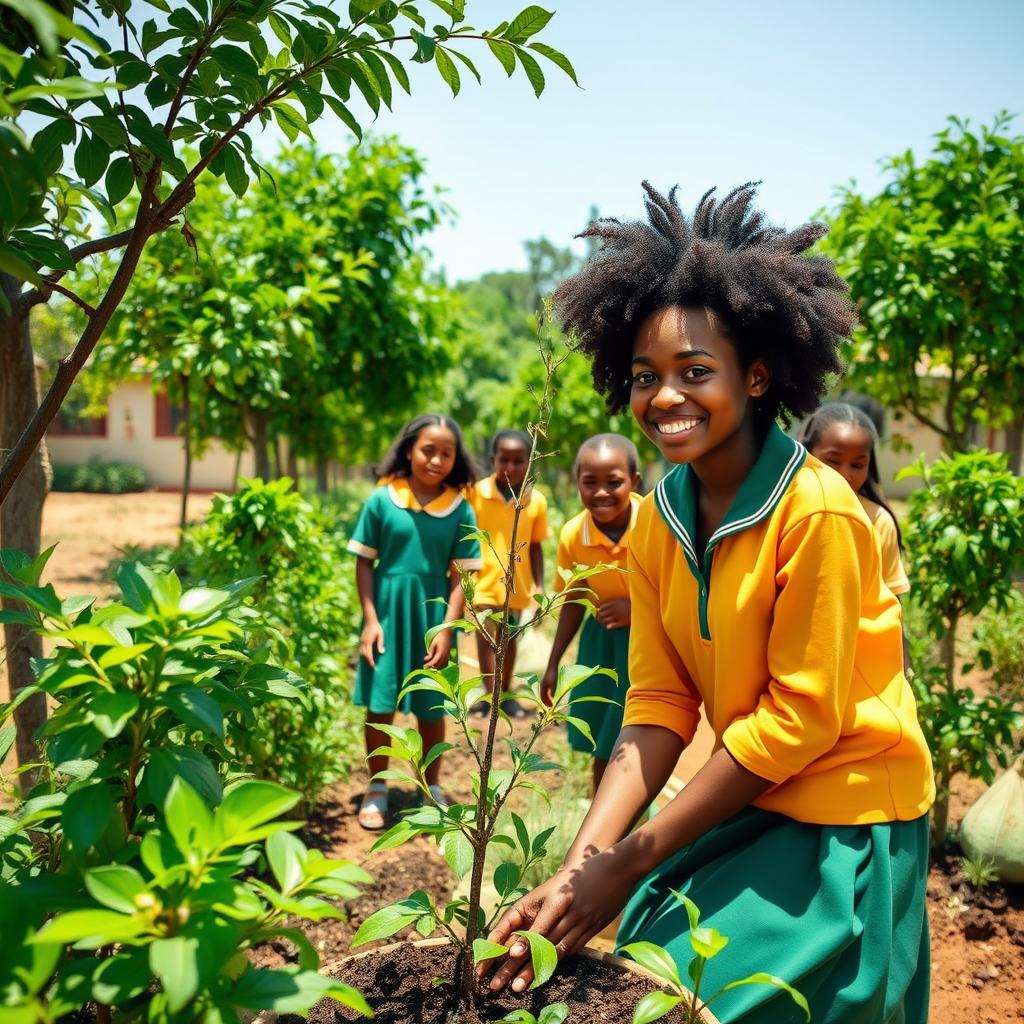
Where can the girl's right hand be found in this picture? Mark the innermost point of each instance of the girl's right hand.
(370, 640)
(548, 684)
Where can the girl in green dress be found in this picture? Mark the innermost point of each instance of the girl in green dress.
(606, 474)
(410, 541)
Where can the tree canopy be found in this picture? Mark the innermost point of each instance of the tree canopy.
(935, 262)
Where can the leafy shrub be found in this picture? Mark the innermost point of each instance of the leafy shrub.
(965, 536)
(127, 871)
(97, 477)
(997, 644)
(304, 589)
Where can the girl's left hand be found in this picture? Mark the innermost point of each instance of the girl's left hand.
(614, 614)
(439, 649)
(569, 909)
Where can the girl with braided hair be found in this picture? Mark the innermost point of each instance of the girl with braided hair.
(757, 592)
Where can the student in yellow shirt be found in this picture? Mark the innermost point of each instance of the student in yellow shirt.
(493, 501)
(607, 477)
(757, 591)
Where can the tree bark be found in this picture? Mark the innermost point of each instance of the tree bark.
(236, 471)
(321, 475)
(278, 461)
(1014, 445)
(21, 515)
(258, 435)
(292, 468)
(186, 422)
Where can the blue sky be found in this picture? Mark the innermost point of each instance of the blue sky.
(804, 96)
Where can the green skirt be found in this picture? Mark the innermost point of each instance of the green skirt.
(600, 648)
(838, 912)
(407, 605)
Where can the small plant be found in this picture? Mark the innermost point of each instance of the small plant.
(127, 873)
(98, 477)
(465, 832)
(980, 872)
(965, 536)
(997, 645)
(555, 1013)
(705, 943)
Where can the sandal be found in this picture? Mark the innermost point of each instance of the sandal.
(373, 811)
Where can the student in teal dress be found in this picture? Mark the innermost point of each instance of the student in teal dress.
(607, 477)
(410, 541)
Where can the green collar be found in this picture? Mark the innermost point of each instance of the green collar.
(675, 495)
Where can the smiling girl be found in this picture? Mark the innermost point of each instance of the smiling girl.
(607, 477)
(757, 592)
(410, 542)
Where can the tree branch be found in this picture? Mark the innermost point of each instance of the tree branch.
(76, 299)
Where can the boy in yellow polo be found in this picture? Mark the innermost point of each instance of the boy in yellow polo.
(757, 592)
(493, 501)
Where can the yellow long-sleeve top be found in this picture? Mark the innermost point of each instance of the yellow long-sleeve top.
(786, 633)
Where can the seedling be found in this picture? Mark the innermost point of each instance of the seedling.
(980, 872)
(555, 1013)
(705, 943)
(465, 832)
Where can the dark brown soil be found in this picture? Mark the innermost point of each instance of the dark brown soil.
(399, 986)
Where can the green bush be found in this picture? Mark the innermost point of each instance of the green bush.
(305, 589)
(997, 645)
(97, 477)
(127, 881)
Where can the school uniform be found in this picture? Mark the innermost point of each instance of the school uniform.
(415, 548)
(582, 542)
(884, 527)
(494, 516)
(785, 632)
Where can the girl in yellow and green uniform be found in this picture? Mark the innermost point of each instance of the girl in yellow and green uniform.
(757, 593)
(606, 475)
(410, 541)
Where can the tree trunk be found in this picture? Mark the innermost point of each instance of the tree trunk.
(237, 470)
(949, 653)
(258, 435)
(292, 468)
(21, 515)
(321, 475)
(278, 461)
(1014, 445)
(186, 422)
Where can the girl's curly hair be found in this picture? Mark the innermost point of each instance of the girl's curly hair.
(774, 303)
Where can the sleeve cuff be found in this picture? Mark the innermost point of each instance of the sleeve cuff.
(361, 549)
(900, 586)
(741, 740)
(468, 564)
(663, 710)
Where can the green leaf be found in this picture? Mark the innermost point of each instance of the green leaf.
(484, 949)
(654, 1006)
(449, 72)
(291, 991)
(91, 928)
(287, 857)
(234, 61)
(121, 977)
(110, 712)
(557, 58)
(234, 171)
(250, 804)
(188, 818)
(290, 121)
(505, 53)
(554, 1013)
(769, 979)
(385, 922)
(91, 157)
(175, 962)
(196, 708)
(656, 960)
(506, 878)
(116, 886)
(344, 115)
(527, 23)
(119, 180)
(425, 47)
(543, 957)
(13, 263)
(190, 765)
(458, 852)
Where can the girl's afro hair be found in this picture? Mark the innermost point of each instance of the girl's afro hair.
(774, 303)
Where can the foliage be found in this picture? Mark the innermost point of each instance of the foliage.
(554, 1013)
(131, 99)
(303, 589)
(128, 869)
(979, 872)
(312, 319)
(98, 477)
(935, 262)
(705, 943)
(965, 535)
(997, 645)
(465, 832)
